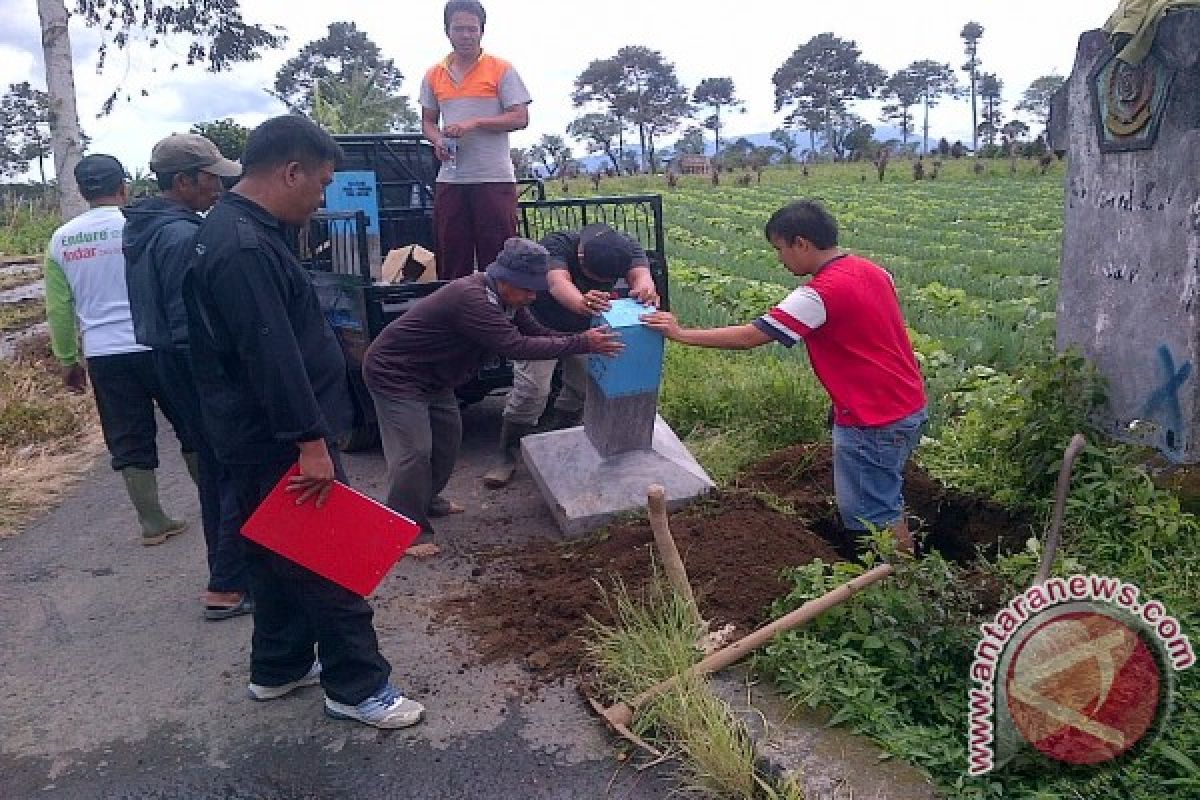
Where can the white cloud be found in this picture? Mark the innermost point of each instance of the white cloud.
(550, 42)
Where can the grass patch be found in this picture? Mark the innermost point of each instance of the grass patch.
(654, 638)
(20, 315)
(48, 436)
(25, 231)
(20, 277)
(893, 662)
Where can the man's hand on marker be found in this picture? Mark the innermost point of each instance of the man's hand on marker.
(662, 321)
(596, 301)
(604, 341)
(647, 296)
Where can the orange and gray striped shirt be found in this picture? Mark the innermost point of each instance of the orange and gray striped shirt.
(489, 87)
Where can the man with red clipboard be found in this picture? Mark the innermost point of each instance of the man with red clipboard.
(274, 390)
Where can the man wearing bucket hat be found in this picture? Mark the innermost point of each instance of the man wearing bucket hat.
(413, 366)
(158, 243)
(585, 266)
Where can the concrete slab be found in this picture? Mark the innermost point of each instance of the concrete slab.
(586, 491)
(798, 747)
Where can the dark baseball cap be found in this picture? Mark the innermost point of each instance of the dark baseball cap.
(606, 253)
(99, 175)
(522, 263)
(181, 152)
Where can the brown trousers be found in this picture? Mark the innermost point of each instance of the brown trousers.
(470, 223)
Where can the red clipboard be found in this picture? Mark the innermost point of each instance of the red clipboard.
(352, 540)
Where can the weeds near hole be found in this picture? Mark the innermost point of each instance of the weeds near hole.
(653, 638)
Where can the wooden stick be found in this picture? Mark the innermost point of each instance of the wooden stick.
(656, 502)
(1054, 535)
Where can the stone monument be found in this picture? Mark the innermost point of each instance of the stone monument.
(590, 474)
(1130, 277)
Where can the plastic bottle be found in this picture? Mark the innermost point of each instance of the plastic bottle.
(449, 165)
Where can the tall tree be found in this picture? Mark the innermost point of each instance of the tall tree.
(787, 143)
(691, 142)
(859, 140)
(637, 87)
(824, 75)
(347, 71)
(522, 161)
(904, 89)
(971, 33)
(991, 90)
(602, 82)
(227, 135)
(552, 151)
(216, 35)
(717, 93)
(935, 81)
(1035, 101)
(359, 105)
(659, 102)
(1013, 131)
(24, 129)
(848, 133)
(600, 133)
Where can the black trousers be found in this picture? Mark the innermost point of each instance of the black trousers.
(218, 501)
(296, 610)
(126, 388)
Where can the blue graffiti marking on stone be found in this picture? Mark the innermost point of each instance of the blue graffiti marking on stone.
(1166, 396)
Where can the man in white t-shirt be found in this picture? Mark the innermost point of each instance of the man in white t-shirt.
(470, 101)
(87, 298)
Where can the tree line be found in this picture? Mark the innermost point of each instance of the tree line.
(629, 103)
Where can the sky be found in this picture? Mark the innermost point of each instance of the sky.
(550, 42)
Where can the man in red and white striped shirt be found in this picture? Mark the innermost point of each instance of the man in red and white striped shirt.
(848, 316)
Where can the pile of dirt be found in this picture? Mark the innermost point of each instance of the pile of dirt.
(533, 605)
(537, 608)
(955, 524)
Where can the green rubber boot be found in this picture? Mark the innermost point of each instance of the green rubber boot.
(142, 485)
(510, 443)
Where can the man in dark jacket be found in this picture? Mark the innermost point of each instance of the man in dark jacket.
(414, 365)
(274, 392)
(158, 244)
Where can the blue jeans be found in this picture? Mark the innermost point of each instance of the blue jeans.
(868, 470)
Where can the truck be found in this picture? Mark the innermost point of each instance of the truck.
(381, 200)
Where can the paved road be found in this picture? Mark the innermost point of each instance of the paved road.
(113, 686)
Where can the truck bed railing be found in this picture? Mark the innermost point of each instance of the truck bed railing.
(336, 242)
(638, 216)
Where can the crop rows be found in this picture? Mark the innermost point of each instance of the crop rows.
(975, 262)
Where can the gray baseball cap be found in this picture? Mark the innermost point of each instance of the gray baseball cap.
(522, 263)
(181, 152)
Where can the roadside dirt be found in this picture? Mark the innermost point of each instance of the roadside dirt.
(533, 604)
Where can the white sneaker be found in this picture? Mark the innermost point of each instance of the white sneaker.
(311, 678)
(387, 708)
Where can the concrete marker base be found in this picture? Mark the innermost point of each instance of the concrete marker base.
(586, 491)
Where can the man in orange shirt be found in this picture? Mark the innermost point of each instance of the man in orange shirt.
(469, 103)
